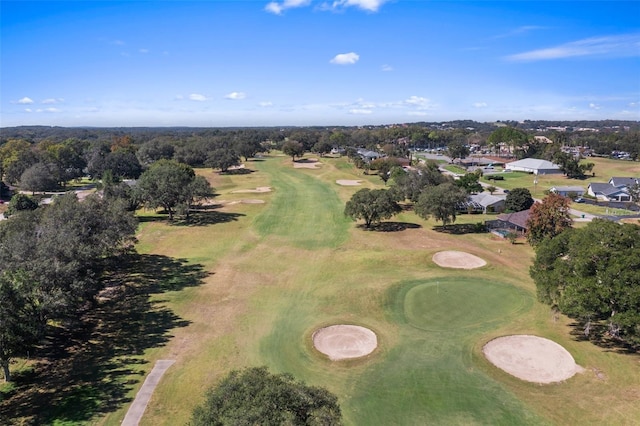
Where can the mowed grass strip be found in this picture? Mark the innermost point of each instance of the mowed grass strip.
(304, 211)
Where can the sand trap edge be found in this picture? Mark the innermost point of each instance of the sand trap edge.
(344, 341)
(457, 260)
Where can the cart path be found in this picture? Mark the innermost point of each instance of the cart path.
(134, 415)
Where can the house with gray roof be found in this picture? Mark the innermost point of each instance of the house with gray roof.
(533, 165)
(568, 191)
(617, 189)
(489, 203)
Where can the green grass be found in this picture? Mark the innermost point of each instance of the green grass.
(278, 271)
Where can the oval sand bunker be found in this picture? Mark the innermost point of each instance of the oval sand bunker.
(458, 260)
(345, 341)
(531, 358)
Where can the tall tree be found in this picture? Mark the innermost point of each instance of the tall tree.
(38, 177)
(409, 185)
(470, 182)
(167, 184)
(518, 199)
(223, 159)
(591, 274)
(371, 205)
(441, 202)
(293, 149)
(548, 218)
(457, 149)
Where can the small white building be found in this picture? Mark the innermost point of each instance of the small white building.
(568, 191)
(533, 165)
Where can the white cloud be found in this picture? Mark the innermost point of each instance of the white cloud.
(277, 8)
(52, 101)
(28, 110)
(594, 106)
(265, 104)
(360, 111)
(235, 96)
(386, 67)
(368, 5)
(197, 97)
(52, 109)
(610, 46)
(25, 101)
(417, 101)
(143, 50)
(480, 105)
(417, 113)
(345, 58)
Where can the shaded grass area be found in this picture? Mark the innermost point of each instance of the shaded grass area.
(88, 367)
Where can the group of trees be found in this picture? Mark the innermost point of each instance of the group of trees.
(591, 275)
(51, 261)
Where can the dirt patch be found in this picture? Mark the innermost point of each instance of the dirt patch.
(345, 341)
(259, 189)
(531, 358)
(346, 182)
(246, 201)
(458, 260)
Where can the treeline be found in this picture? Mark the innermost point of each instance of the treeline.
(52, 259)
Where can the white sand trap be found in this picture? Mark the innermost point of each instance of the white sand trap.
(345, 341)
(309, 163)
(531, 358)
(259, 189)
(245, 201)
(346, 182)
(458, 260)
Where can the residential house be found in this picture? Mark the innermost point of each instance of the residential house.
(617, 189)
(509, 222)
(568, 191)
(489, 203)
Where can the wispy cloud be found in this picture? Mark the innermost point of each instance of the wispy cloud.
(265, 104)
(524, 29)
(480, 105)
(143, 51)
(360, 111)
(607, 46)
(278, 7)
(25, 101)
(236, 96)
(345, 58)
(386, 68)
(368, 5)
(52, 101)
(197, 97)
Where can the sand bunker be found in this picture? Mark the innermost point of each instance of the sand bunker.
(246, 201)
(345, 341)
(346, 182)
(309, 163)
(458, 260)
(531, 358)
(257, 190)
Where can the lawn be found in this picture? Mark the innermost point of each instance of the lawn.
(279, 270)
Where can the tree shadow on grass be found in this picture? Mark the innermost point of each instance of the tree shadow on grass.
(200, 216)
(390, 226)
(599, 336)
(87, 367)
(462, 228)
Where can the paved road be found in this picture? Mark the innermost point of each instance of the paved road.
(134, 415)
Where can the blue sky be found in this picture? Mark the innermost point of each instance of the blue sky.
(324, 62)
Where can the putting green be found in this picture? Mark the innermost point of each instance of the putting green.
(442, 305)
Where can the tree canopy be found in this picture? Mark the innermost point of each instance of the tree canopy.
(441, 202)
(548, 218)
(293, 149)
(169, 184)
(371, 205)
(518, 199)
(591, 274)
(255, 396)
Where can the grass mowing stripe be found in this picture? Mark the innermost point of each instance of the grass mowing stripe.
(303, 209)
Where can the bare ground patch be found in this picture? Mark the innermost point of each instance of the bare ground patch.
(259, 189)
(307, 163)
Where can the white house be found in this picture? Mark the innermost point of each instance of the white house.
(568, 191)
(533, 165)
(489, 202)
